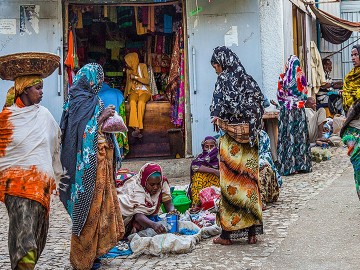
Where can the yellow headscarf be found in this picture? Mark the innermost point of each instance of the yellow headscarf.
(351, 88)
(20, 84)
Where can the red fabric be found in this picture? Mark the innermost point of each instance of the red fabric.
(149, 170)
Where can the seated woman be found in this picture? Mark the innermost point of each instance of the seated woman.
(137, 89)
(270, 179)
(204, 170)
(140, 198)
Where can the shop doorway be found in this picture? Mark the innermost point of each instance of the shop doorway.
(105, 34)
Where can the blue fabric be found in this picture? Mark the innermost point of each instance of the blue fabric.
(265, 154)
(168, 26)
(154, 218)
(111, 96)
(116, 252)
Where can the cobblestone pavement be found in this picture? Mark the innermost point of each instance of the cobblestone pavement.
(297, 190)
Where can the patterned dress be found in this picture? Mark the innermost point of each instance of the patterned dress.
(293, 142)
(237, 98)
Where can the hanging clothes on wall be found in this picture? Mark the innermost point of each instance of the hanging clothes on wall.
(175, 89)
(71, 60)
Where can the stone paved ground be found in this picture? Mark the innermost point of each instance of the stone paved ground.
(297, 191)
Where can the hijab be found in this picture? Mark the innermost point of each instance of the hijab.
(20, 84)
(206, 158)
(237, 96)
(79, 125)
(292, 85)
(135, 199)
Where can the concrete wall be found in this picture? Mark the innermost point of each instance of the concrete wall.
(272, 44)
(42, 33)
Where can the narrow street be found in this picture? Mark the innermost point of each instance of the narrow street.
(314, 225)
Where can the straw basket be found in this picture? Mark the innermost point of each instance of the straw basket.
(239, 132)
(29, 63)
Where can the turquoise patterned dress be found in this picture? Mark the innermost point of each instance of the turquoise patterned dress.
(352, 137)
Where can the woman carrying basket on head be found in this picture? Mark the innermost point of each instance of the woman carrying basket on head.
(29, 156)
(236, 105)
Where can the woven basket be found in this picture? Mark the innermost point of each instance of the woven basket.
(29, 63)
(239, 132)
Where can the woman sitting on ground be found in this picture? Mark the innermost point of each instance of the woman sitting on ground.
(204, 170)
(140, 198)
(270, 179)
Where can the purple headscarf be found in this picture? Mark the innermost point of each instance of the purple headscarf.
(208, 159)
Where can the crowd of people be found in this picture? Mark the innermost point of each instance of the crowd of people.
(83, 160)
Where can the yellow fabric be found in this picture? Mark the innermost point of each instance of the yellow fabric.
(138, 101)
(351, 88)
(20, 84)
(317, 70)
(132, 60)
(200, 181)
(30, 257)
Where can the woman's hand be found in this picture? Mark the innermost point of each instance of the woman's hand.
(174, 212)
(133, 77)
(108, 112)
(158, 228)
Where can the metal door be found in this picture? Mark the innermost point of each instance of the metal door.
(234, 23)
(350, 11)
(35, 26)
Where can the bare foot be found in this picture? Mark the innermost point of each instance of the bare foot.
(252, 239)
(220, 241)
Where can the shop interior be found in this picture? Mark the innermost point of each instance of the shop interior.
(106, 33)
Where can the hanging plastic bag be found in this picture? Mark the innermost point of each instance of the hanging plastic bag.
(114, 124)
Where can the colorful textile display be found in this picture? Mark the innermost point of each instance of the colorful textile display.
(175, 89)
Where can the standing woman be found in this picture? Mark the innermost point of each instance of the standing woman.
(293, 144)
(90, 158)
(29, 164)
(237, 99)
(138, 90)
(350, 131)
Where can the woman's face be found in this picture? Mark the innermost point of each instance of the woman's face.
(355, 57)
(217, 67)
(34, 93)
(209, 145)
(153, 184)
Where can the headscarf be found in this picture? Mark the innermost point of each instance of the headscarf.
(205, 158)
(148, 170)
(79, 125)
(351, 87)
(237, 96)
(292, 86)
(94, 74)
(20, 84)
(132, 60)
(135, 199)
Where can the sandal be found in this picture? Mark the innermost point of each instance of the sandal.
(220, 241)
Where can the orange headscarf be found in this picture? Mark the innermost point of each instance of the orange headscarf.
(20, 84)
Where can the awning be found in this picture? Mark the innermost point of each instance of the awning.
(333, 29)
(326, 18)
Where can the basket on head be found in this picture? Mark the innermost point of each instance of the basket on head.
(28, 63)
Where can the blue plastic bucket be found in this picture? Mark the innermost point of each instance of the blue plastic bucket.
(172, 220)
